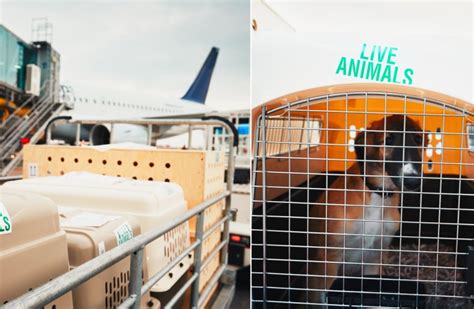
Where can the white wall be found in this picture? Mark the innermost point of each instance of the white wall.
(301, 45)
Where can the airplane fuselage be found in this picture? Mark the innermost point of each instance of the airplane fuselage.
(86, 108)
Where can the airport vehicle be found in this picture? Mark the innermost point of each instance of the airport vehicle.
(208, 203)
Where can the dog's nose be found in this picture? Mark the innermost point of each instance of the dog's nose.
(412, 183)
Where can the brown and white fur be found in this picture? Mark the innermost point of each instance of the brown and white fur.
(355, 214)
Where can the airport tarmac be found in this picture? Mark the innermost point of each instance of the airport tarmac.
(242, 289)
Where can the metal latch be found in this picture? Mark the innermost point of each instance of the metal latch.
(233, 213)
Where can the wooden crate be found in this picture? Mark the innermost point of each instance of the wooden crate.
(200, 174)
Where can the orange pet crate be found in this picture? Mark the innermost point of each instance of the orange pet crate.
(305, 140)
(341, 108)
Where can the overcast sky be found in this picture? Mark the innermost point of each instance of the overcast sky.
(140, 50)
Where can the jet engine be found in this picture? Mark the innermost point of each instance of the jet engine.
(119, 133)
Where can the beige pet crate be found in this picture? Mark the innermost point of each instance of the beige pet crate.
(33, 248)
(151, 203)
(200, 173)
(90, 234)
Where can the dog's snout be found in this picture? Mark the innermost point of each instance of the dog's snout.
(411, 176)
(412, 183)
(409, 169)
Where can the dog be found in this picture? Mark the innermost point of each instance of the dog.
(359, 215)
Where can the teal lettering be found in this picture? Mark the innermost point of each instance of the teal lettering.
(372, 53)
(373, 71)
(353, 68)
(409, 75)
(391, 54)
(377, 64)
(395, 75)
(342, 66)
(362, 70)
(7, 223)
(380, 54)
(387, 74)
(363, 51)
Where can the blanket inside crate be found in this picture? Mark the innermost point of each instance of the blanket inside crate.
(438, 272)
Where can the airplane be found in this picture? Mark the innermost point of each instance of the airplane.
(192, 103)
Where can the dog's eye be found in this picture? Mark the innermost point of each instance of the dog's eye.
(389, 140)
(418, 139)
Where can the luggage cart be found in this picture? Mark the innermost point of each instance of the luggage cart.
(200, 293)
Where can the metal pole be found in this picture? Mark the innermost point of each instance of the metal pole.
(150, 132)
(48, 136)
(263, 142)
(78, 134)
(194, 278)
(190, 136)
(197, 259)
(135, 286)
(228, 199)
(111, 133)
(209, 135)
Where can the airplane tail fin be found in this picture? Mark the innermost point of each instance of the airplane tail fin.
(198, 90)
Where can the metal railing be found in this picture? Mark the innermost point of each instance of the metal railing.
(8, 122)
(33, 140)
(44, 110)
(22, 127)
(7, 127)
(134, 247)
(11, 137)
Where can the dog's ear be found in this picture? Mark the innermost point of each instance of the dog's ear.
(365, 139)
(360, 142)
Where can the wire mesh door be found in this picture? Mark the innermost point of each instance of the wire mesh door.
(363, 199)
